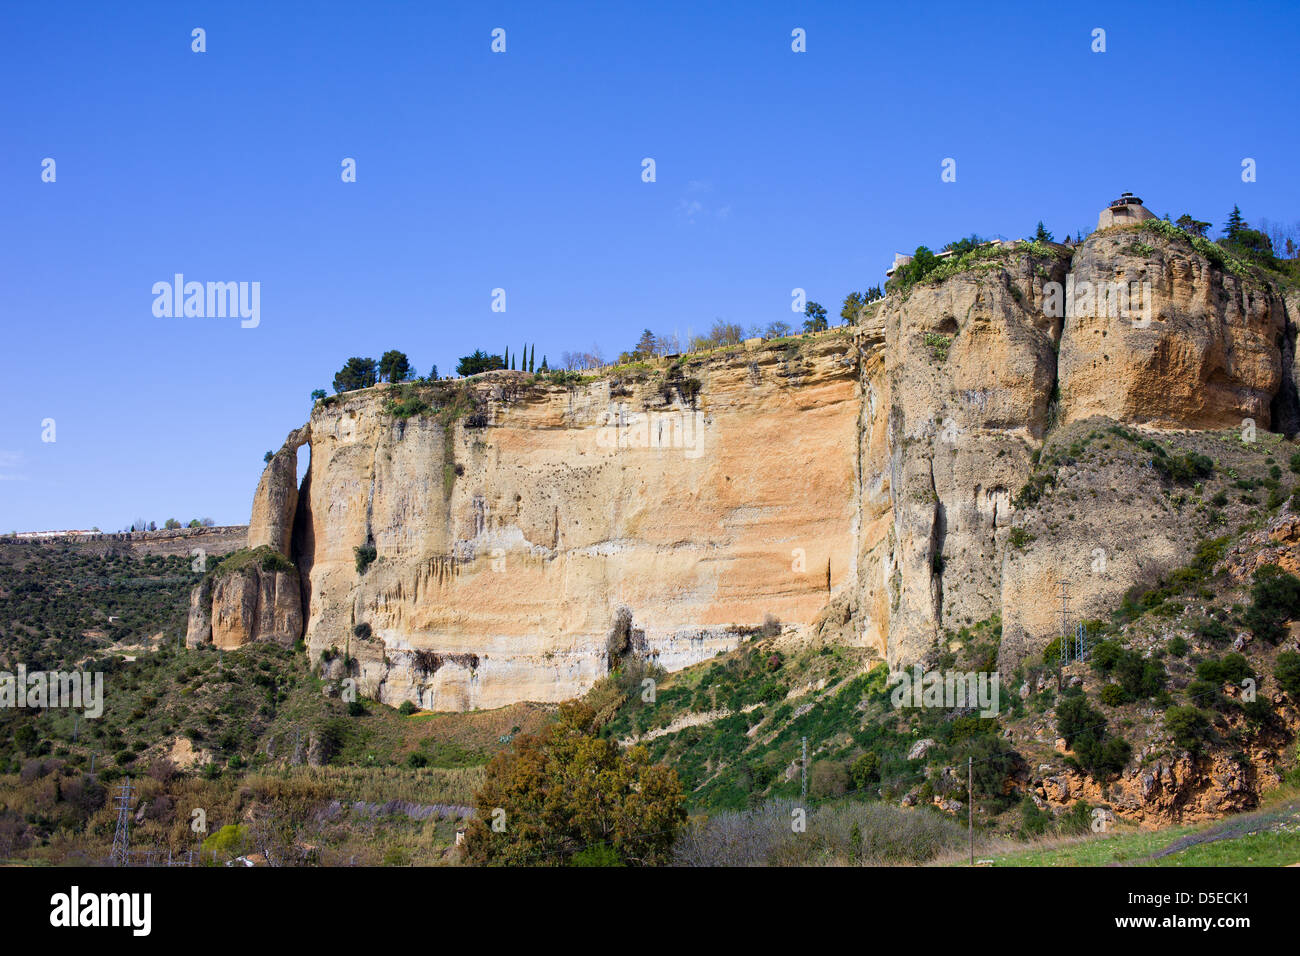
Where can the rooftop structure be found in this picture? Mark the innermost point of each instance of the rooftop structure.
(1124, 211)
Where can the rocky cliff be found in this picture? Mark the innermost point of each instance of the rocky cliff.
(476, 542)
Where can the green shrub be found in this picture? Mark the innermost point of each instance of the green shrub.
(1176, 646)
(265, 557)
(1184, 469)
(1139, 677)
(407, 708)
(396, 856)
(231, 840)
(1084, 730)
(598, 854)
(1106, 655)
(865, 771)
(992, 761)
(365, 555)
(1231, 669)
(1078, 818)
(1103, 758)
(1033, 821)
(1034, 489)
(1112, 695)
(1213, 630)
(938, 345)
(1275, 596)
(1286, 670)
(1019, 538)
(1189, 726)
(1204, 693)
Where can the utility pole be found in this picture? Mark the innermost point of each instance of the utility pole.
(970, 807)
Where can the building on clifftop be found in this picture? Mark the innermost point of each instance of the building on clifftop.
(1124, 211)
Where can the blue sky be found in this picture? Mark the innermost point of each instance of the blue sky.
(522, 171)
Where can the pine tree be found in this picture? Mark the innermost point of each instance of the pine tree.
(1235, 224)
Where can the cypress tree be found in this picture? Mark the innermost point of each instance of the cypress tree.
(532, 355)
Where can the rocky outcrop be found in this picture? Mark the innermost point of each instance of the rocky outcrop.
(252, 596)
(472, 543)
(1277, 543)
(1203, 351)
(276, 502)
(1179, 787)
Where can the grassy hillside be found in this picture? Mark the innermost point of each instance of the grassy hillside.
(56, 601)
(1162, 686)
(234, 733)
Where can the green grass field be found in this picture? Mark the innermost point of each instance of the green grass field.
(1265, 837)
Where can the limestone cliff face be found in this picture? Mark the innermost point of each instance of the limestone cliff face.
(968, 370)
(1203, 352)
(509, 533)
(979, 368)
(472, 543)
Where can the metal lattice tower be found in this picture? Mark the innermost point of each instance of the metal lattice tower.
(804, 771)
(1080, 641)
(122, 838)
